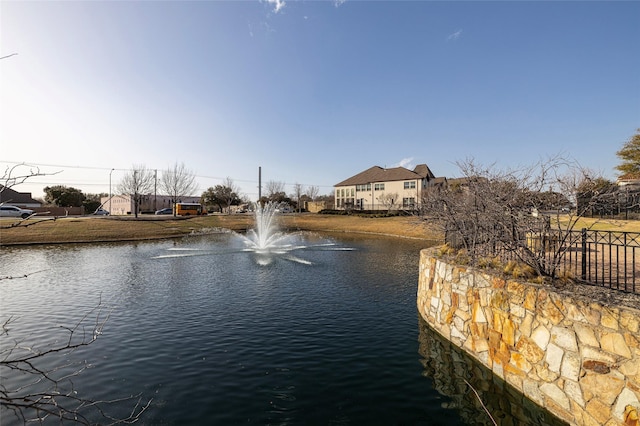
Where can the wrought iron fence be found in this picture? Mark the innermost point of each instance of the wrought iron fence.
(603, 258)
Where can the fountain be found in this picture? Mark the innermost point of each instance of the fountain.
(265, 241)
(265, 235)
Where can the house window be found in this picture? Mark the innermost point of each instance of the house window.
(379, 187)
(410, 185)
(408, 202)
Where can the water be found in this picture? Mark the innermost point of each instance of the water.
(325, 332)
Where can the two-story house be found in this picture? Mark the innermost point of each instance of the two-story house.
(380, 188)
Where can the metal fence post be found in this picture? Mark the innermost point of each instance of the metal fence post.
(584, 253)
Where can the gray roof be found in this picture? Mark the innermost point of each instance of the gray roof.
(424, 171)
(379, 174)
(439, 181)
(8, 195)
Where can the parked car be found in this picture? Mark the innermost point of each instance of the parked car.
(13, 211)
(167, 210)
(101, 212)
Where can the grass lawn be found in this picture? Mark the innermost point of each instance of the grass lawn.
(93, 229)
(608, 225)
(124, 228)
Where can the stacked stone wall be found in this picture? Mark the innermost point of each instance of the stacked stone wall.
(577, 357)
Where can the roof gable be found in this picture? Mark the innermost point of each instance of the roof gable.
(424, 171)
(8, 195)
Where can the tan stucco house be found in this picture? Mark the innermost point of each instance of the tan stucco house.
(379, 188)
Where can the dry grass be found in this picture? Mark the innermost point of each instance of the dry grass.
(616, 225)
(407, 226)
(94, 229)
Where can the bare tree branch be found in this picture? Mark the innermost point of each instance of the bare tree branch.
(274, 187)
(15, 175)
(298, 190)
(49, 392)
(177, 181)
(313, 191)
(389, 200)
(484, 407)
(138, 183)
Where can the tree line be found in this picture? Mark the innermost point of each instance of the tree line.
(178, 182)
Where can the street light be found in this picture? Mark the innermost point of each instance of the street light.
(110, 190)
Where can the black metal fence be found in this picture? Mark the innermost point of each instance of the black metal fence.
(602, 258)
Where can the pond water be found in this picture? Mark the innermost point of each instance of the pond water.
(326, 333)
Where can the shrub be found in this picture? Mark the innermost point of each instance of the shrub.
(490, 263)
(519, 270)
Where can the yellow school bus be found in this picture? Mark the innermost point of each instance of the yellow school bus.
(189, 209)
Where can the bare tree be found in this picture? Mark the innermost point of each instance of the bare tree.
(274, 187)
(48, 393)
(275, 193)
(313, 191)
(232, 194)
(389, 200)
(298, 190)
(177, 181)
(137, 183)
(489, 209)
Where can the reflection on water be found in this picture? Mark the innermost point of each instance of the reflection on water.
(454, 373)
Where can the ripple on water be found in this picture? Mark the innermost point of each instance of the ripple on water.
(325, 333)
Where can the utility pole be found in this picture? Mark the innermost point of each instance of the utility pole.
(135, 193)
(110, 190)
(259, 183)
(155, 189)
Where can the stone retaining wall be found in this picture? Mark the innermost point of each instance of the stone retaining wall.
(575, 356)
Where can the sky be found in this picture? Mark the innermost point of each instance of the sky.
(312, 92)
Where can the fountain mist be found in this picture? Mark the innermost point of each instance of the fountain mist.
(265, 235)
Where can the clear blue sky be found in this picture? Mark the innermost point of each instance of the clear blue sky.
(312, 91)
